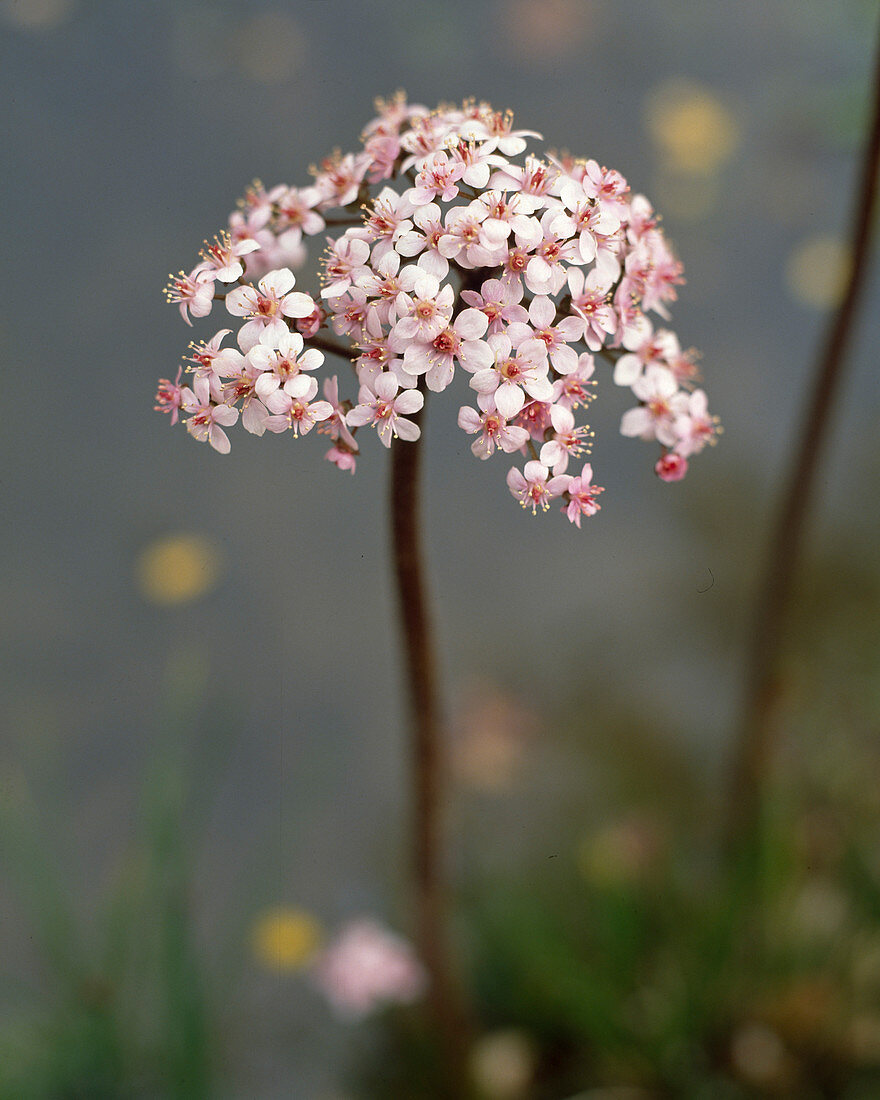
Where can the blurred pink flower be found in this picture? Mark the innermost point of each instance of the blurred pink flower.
(367, 967)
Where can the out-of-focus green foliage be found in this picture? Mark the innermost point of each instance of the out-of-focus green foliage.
(629, 955)
(122, 1009)
(638, 958)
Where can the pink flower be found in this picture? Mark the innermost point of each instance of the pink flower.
(223, 258)
(347, 260)
(169, 396)
(425, 239)
(532, 487)
(293, 406)
(508, 213)
(267, 305)
(424, 313)
(308, 326)
(472, 242)
(671, 467)
(381, 405)
(194, 293)
(593, 224)
(383, 150)
(493, 428)
(547, 270)
(458, 341)
(366, 967)
(335, 425)
(250, 224)
(575, 389)
(682, 363)
(542, 314)
(342, 459)
(591, 301)
(693, 426)
(348, 313)
(388, 220)
(438, 177)
(448, 222)
(498, 125)
(661, 402)
(499, 301)
(206, 418)
(514, 374)
(535, 180)
(296, 210)
(211, 360)
(582, 496)
(605, 185)
(476, 160)
(427, 135)
(282, 360)
(535, 418)
(340, 178)
(647, 348)
(567, 440)
(241, 386)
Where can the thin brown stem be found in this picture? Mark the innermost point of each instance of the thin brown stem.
(428, 764)
(332, 348)
(754, 750)
(354, 220)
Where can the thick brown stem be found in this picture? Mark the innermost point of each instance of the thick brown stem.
(755, 748)
(428, 765)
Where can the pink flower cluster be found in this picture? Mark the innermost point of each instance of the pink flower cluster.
(482, 261)
(367, 967)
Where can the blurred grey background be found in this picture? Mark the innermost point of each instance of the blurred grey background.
(128, 132)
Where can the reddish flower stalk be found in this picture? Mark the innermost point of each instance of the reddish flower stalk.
(445, 1010)
(754, 750)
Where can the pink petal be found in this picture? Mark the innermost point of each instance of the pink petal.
(219, 440)
(277, 283)
(626, 370)
(297, 305)
(469, 419)
(405, 429)
(240, 301)
(471, 324)
(409, 401)
(509, 399)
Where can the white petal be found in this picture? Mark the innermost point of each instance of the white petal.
(469, 419)
(409, 401)
(240, 301)
(297, 305)
(636, 422)
(471, 324)
(626, 370)
(509, 399)
(277, 283)
(405, 429)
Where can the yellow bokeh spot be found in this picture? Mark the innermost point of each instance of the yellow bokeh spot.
(817, 271)
(37, 15)
(693, 129)
(285, 938)
(502, 1064)
(178, 569)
